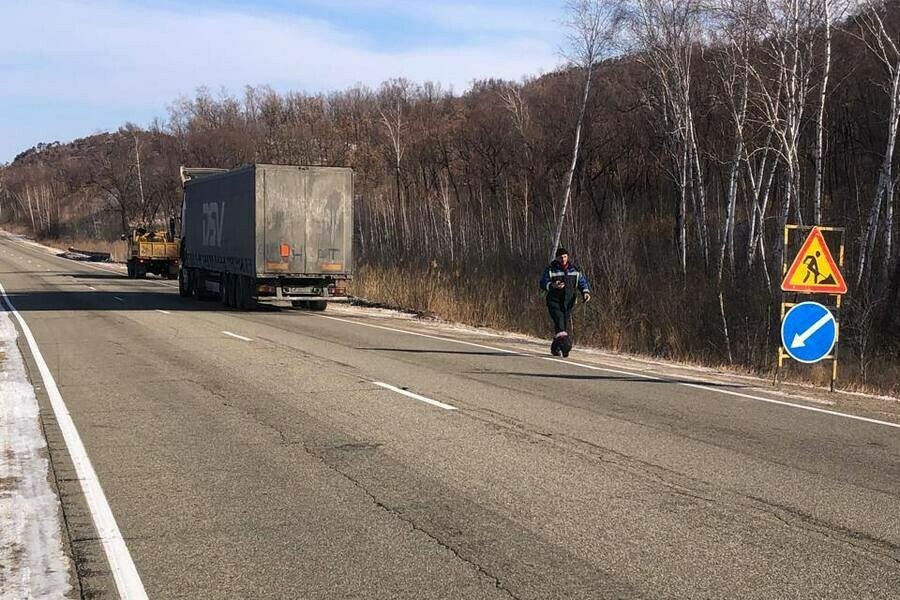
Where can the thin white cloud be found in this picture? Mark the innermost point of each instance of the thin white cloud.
(118, 53)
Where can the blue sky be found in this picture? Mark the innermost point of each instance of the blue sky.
(69, 68)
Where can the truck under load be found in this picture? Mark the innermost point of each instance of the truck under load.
(270, 221)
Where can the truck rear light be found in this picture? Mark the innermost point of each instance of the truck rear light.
(285, 251)
(266, 289)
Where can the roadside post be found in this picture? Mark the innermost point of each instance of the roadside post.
(810, 330)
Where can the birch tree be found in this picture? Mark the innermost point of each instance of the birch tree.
(592, 27)
(885, 47)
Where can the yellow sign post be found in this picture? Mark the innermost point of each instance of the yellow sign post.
(813, 271)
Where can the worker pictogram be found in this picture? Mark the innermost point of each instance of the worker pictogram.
(814, 270)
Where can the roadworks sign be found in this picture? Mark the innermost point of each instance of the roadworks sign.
(814, 269)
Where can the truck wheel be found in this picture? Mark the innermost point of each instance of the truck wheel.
(199, 284)
(184, 286)
(300, 303)
(245, 300)
(130, 270)
(318, 305)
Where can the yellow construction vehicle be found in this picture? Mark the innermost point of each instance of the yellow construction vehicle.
(152, 252)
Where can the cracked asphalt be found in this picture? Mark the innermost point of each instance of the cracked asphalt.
(277, 468)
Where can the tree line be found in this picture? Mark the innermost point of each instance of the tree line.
(667, 155)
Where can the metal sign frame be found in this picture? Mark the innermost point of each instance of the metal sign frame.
(834, 305)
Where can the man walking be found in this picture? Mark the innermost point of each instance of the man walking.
(560, 282)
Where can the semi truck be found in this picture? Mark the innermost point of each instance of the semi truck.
(267, 233)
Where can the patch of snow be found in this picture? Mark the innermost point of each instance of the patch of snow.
(32, 561)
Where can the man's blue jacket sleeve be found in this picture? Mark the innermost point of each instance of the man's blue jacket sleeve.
(583, 286)
(545, 280)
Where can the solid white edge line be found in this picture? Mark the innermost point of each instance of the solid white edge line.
(240, 337)
(388, 386)
(128, 581)
(695, 384)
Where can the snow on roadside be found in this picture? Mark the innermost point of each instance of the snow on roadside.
(32, 561)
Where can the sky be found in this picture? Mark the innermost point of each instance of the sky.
(70, 68)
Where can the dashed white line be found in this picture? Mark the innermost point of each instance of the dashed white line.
(128, 581)
(119, 299)
(240, 337)
(165, 312)
(409, 394)
(697, 384)
(92, 287)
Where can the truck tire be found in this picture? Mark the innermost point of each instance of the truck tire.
(130, 269)
(318, 305)
(245, 299)
(200, 291)
(184, 285)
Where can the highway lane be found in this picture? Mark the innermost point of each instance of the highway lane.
(275, 466)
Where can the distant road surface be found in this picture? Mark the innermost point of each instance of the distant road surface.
(291, 454)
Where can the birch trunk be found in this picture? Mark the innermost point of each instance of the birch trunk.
(820, 120)
(571, 173)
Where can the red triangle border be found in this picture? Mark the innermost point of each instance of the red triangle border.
(840, 286)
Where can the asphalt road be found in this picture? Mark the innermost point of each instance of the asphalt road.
(271, 462)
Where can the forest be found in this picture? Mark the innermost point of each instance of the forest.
(667, 154)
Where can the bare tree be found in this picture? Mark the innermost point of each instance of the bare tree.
(784, 79)
(886, 49)
(592, 27)
(394, 97)
(666, 33)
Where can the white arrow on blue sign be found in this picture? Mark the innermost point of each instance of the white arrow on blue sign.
(808, 332)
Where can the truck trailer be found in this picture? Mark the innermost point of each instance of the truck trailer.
(267, 233)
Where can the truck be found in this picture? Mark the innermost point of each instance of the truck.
(267, 233)
(155, 252)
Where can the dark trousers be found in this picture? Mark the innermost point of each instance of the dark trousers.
(561, 317)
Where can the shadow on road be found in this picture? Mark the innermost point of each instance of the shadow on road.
(626, 378)
(90, 300)
(462, 352)
(98, 275)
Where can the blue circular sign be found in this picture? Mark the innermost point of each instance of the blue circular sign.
(808, 332)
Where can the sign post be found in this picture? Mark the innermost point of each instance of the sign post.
(810, 330)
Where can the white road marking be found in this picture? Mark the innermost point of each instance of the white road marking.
(414, 396)
(128, 581)
(119, 299)
(698, 384)
(92, 287)
(240, 337)
(165, 312)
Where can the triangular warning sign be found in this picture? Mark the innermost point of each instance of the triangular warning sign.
(814, 269)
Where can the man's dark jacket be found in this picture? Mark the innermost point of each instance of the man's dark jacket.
(575, 282)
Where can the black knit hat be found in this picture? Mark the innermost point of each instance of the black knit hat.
(560, 251)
